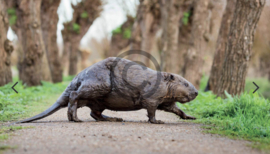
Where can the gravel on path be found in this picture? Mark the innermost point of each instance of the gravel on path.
(55, 134)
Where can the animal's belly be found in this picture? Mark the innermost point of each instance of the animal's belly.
(118, 103)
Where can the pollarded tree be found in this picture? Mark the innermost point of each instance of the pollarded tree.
(84, 14)
(150, 23)
(14, 23)
(5, 46)
(49, 22)
(136, 33)
(171, 13)
(264, 66)
(194, 61)
(146, 25)
(32, 43)
(120, 38)
(220, 47)
(238, 46)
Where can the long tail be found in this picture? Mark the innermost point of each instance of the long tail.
(61, 102)
(55, 107)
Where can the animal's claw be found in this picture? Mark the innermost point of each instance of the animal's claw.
(77, 120)
(157, 122)
(190, 118)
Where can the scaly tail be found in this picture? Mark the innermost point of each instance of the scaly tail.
(55, 107)
(61, 102)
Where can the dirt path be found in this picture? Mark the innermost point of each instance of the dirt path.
(55, 134)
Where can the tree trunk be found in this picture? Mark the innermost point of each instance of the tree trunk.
(267, 62)
(136, 38)
(221, 46)
(120, 40)
(238, 46)
(184, 35)
(135, 41)
(150, 24)
(45, 72)
(49, 18)
(84, 15)
(73, 60)
(20, 53)
(171, 12)
(5, 47)
(84, 54)
(118, 43)
(32, 43)
(15, 26)
(144, 29)
(65, 56)
(194, 58)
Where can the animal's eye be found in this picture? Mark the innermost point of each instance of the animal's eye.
(186, 84)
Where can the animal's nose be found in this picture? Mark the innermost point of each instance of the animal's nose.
(196, 93)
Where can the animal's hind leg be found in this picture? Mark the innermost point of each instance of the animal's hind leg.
(89, 90)
(100, 117)
(114, 119)
(72, 107)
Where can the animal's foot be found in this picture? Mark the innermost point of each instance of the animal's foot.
(77, 120)
(189, 118)
(71, 117)
(113, 119)
(101, 117)
(156, 121)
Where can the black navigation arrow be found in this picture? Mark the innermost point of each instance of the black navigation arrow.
(14, 86)
(256, 88)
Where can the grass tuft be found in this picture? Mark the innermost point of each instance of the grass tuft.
(244, 117)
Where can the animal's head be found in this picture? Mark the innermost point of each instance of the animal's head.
(179, 89)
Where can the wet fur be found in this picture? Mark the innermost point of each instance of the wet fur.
(95, 87)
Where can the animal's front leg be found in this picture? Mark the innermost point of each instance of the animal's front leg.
(174, 109)
(151, 111)
(181, 113)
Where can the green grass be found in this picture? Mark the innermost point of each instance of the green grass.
(244, 117)
(263, 83)
(29, 100)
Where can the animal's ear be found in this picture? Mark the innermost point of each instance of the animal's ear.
(171, 77)
(168, 76)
